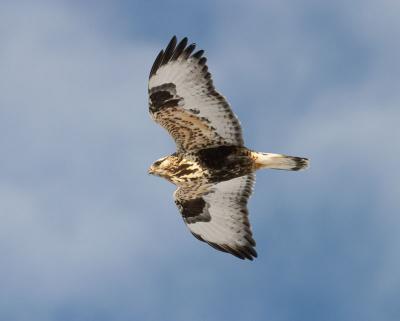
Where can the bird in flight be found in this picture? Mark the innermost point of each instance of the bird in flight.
(213, 171)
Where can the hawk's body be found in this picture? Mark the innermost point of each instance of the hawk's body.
(213, 170)
(209, 165)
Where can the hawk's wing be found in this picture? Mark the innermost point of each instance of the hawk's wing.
(183, 100)
(217, 214)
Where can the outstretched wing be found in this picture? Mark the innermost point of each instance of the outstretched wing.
(217, 214)
(183, 100)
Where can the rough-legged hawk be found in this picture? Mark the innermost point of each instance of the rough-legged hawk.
(213, 170)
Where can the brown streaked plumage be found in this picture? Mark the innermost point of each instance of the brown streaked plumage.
(213, 170)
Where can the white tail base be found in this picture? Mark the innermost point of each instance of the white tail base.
(279, 161)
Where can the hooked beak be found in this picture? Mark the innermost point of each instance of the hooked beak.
(150, 170)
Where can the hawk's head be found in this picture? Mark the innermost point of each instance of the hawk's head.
(176, 169)
(164, 167)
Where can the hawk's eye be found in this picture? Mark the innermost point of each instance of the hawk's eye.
(157, 163)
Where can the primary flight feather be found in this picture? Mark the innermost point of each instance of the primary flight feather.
(213, 170)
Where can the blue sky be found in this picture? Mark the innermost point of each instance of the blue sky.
(86, 234)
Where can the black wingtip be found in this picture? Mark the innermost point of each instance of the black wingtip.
(172, 41)
(241, 252)
(202, 61)
(189, 49)
(247, 252)
(169, 50)
(157, 63)
(175, 50)
(198, 54)
(179, 48)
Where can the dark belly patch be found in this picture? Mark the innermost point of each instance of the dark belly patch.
(225, 162)
(217, 157)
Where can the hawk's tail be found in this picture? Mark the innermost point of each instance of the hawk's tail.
(279, 161)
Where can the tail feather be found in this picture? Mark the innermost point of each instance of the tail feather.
(279, 161)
